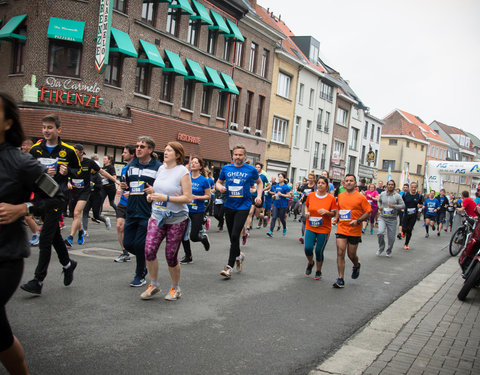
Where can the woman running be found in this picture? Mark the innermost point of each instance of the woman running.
(306, 189)
(320, 207)
(372, 197)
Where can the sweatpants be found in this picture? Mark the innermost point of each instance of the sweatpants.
(388, 225)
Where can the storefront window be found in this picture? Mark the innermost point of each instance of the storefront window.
(64, 58)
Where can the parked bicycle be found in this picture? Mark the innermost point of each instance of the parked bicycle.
(461, 236)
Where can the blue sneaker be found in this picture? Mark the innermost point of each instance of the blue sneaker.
(356, 271)
(35, 240)
(138, 281)
(81, 237)
(339, 283)
(284, 232)
(371, 230)
(269, 233)
(68, 241)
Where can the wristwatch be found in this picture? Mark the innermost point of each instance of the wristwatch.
(29, 208)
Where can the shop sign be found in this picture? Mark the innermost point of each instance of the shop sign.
(336, 157)
(188, 138)
(371, 156)
(103, 35)
(337, 173)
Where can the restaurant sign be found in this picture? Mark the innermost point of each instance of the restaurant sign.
(188, 138)
(103, 34)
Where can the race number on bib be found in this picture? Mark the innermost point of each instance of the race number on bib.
(345, 215)
(218, 201)
(431, 210)
(78, 183)
(370, 202)
(411, 211)
(315, 221)
(48, 162)
(388, 211)
(235, 191)
(136, 187)
(160, 205)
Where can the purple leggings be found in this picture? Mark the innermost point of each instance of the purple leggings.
(155, 235)
(373, 214)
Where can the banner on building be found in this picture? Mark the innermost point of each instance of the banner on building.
(103, 35)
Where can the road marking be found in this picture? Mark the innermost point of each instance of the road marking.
(96, 252)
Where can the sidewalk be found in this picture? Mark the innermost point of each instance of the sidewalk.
(426, 331)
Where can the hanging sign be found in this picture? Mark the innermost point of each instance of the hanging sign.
(103, 35)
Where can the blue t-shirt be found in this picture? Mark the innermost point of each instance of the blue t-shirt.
(211, 183)
(123, 198)
(265, 183)
(238, 181)
(430, 206)
(281, 202)
(331, 187)
(477, 200)
(199, 185)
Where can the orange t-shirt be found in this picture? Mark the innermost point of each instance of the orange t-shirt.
(351, 207)
(322, 223)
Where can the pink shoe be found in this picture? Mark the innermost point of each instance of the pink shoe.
(244, 238)
(207, 224)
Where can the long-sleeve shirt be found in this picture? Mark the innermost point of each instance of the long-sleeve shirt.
(385, 200)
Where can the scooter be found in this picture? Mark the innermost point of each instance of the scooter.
(470, 262)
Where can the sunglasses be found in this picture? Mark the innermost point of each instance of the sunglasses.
(141, 146)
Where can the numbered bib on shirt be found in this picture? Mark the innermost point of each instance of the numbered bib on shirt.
(411, 211)
(345, 215)
(388, 211)
(315, 221)
(48, 162)
(218, 201)
(136, 187)
(431, 210)
(235, 191)
(160, 205)
(370, 202)
(78, 183)
(105, 181)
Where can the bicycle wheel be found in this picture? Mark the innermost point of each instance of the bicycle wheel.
(457, 241)
(470, 282)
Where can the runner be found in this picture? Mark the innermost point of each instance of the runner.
(109, 189)
(389, 204)
(260, 211)
(431, 206)
(353, 209)
(139, 178)
(306, 189)
(59, 158)
(268, 202)
(121, 212)
(320, 207)
(400, 213)
(331, 187)
(450, 211)
(442, 212)
(282, 192)
(413, 201)
(238, 178)
(219, 209)
(196, 209)
(372, 197)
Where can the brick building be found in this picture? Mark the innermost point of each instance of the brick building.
(176, 71)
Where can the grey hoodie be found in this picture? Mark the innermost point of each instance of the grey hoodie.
(385, 199)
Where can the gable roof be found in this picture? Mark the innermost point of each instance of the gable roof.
(450, 130)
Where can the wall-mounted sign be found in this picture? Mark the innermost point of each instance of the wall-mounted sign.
(336, 157)
(370, 156)
(103, 34)
(86, 100)
(188, 138)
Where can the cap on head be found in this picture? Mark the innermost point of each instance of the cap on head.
(79, 147)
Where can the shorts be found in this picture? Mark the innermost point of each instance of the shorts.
(354, 240)
(441, 217)
(121, 211)
(431, 217)
(79, 195)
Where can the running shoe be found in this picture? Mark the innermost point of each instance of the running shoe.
(339, 283)
(68, 241)
(226, 272)
(399, 236)
(124, 257)
(269, 233)
(371, 230)
(138, 281)
(186, 260)
(308, 271)
(150, 292)
(95, 220)
(406, 247)
(108, 224)
(433, 228)
(284, 232)
(85, 233)
(378, 253)
(363, 230)
(427, 235)
(318, 275)
(62, 225)
(239, 261)
(265, 222)
(356, 272)
(81, 237)
(220, 229)
(244, 238)
(173, 294)
(301, 240)
(207, 224)
(205, 242)
(259, 225)
(68, 273)
(33, 286)
(35, 240)
(438, 233)
(445, 229)
(388, 254)
(278, 228)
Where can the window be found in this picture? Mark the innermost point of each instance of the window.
(327, 121)
(313, 57)
(222, 104)
(354, 139)
(120, 5)
(301, 90)
(310, 101)
(206, 99)
(365, 130)
(356, 113)
(372, 135)
(364, 151)
(64, 58)
(279, 130)
(193, 32)
(261, 105)
(378, 135)
(227, 49)
(264, 66)
(315, 155)
(406, 166)
(248, 109)
(352, 162)
(341, 116)
(113, 71)
(168, 82)
(419, 169)
(324, 156)
(18, 56)
(149, 13)
(297, 131)
(392, 142)
(319, 119)
(338, 147)
(239, 54)
(188, 93)
(234, 111)
(283, 88)
(326, 92)
(388, 163)
(142, 79)
(463, 180)
(212, 41)
(408, 143)
(173, 18)
(252, 65)
(307, 134)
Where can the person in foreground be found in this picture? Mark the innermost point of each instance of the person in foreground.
(353, 209)
(169, 219)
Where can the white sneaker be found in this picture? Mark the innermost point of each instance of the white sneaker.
(226, 272)
(173, 294)
(108, 224)
(378, 253)
(150, 292)
(239, 262)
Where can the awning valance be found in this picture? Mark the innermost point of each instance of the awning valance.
(153, 56)
(218, 23)
(8, 30)
(235, 31)
(124, 43)
(202, 13)
(176, 64)
(196, 69)
(64, 29)
(231, 87)
(215, 79)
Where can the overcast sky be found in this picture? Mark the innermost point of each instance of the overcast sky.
(421, 56)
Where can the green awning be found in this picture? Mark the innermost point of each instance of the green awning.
(197, 71)
(176, 64)
(215, 79)
(218, 23)
(235, 31)
(153, 56)
(157, 1)
(124, 43)
(231, 86)
(202, 13)
(8, 29)
(184, 5)
(63, 29)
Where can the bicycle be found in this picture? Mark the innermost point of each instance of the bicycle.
(461, 236)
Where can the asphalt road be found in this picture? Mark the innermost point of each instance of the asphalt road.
(269, 319)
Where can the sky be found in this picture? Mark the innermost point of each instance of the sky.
(421, 56)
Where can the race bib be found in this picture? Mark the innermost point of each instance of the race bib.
(345, 215)
(193, 206)
(160, 205)
(411, 211)
(315, 221)
(370, 202)
(136, 187)
(388, 211)
(235, 191)
(218, 201)
(78, 183)
(48, 162)
(105, 181)
(431, 210)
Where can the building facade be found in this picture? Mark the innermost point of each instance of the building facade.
(370, 148)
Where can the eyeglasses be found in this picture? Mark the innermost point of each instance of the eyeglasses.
(141, 146)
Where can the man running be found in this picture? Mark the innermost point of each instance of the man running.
(431, 206)
(413, 201)
(109, 189)
(281, 191)
(58, 157)
(238, 178)
(442, 212)
(353, 209)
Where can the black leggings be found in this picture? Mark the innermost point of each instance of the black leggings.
(10, 275)
(235, 222)
(407, 226)
(94, 203)
(197, 222)
(219, 212)
(109, 191)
